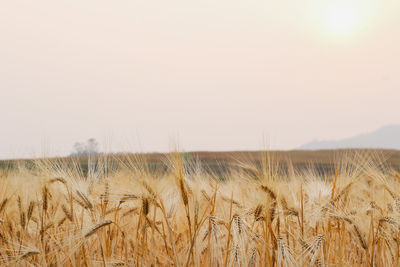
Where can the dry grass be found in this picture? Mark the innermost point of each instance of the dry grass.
(52, 215)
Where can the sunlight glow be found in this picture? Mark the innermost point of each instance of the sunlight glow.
(341, 19)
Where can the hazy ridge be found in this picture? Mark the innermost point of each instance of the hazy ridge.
(387, 137)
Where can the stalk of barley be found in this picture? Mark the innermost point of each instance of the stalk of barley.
(45, 194)
(29, 253)
(3, 204)
(96, 227)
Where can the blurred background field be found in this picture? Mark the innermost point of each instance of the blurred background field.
(323, 162)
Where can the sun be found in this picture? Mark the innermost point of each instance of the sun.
(341, 19)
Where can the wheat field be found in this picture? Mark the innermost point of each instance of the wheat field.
(128, 214)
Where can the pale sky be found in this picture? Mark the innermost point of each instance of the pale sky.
(220, 74)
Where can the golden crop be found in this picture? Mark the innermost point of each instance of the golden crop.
(53, 215)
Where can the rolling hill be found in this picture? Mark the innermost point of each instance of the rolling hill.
(387, 137)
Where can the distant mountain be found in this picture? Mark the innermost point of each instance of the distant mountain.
(387, 137)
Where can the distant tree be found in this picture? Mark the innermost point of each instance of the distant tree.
(90, 148)
(78, 148)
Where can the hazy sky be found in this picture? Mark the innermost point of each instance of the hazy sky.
(218, 73)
